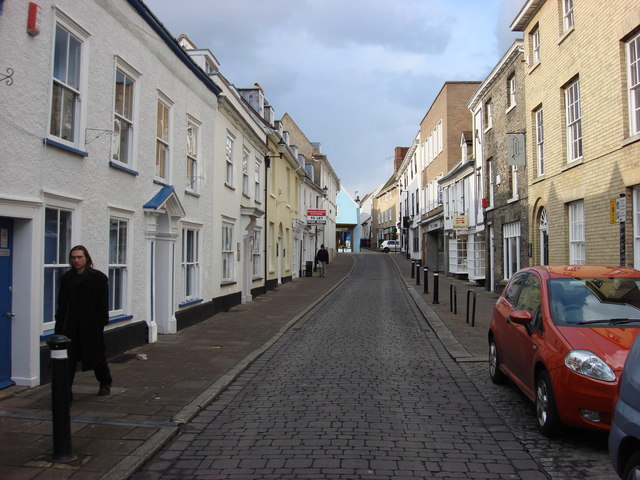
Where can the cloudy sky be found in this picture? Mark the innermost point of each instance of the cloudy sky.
(356, 75)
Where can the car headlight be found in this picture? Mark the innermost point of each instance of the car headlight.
(589, 364)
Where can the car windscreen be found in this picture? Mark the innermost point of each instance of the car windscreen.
(595, 301)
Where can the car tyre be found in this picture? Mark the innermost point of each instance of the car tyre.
(497, 376)
(546, 412)
(632, 468)
(386, 250)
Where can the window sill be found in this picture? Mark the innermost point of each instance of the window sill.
(187, 303)
(537, 179)
(193, 193)
(255, 279)
(228, 282)
(564, 36)
(66, 148)
(119, 319)
(228, 185)
(488, 128)
(534, 66)
(161, 182)
(511, 107)
(632, 139)
(119, 166)
(573, 164)
(513, 200)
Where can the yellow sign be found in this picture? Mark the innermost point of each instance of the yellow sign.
(612, 211)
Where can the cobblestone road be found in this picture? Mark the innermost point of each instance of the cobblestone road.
(360, 388)
(575, 454)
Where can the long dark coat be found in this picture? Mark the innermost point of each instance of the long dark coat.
(82, 314)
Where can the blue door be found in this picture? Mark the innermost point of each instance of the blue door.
(6, 273)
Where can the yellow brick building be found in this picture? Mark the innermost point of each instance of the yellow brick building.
(582, 90)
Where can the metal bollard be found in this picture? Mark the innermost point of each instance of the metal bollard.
(473, 315)
(426, 280)
(413, 264)
(435, 288)
(419, 262)
(60, 399)
(453, 298)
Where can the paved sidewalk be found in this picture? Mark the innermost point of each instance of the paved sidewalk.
(464, 341)
(157, 387)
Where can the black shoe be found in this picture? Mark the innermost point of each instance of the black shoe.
(104, 390)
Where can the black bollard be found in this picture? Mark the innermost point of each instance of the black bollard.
(418, 273)
(413, 264)
(426, 280)
(435, 288)
(61, 419)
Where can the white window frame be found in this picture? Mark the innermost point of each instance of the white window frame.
(514, 183)
(636, 227)
(193, 166)
(535, 44)
(511, 91)
(257, 191)
(163, 139)
(118, 269)
(573, 121)
(567, 15)
(575, 212)
(228, 156)
(245, 171)
(190, 263)
(75, 136)
(124, 119)
(539, 124)
(633, 69)
(228, 251)
(55, 262)
(488, 114)
(510, 249)
(256, 254)
(491, 181)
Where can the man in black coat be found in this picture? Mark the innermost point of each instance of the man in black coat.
(322, 258)
(82, 314)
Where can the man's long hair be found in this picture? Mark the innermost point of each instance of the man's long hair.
(86, 254)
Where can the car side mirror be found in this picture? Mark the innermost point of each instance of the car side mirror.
(521, 317)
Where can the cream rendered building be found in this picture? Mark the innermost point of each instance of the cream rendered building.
(582, 81)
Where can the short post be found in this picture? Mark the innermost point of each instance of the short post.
(426, 280)
(418, 263)
(60, 399)
(413, 264)
(453, 298)
(435, 288)
(473, 314)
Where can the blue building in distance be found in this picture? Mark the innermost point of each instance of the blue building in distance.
(348, 227)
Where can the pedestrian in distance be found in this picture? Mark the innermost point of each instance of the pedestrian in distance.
(322, 259)
(82, 314)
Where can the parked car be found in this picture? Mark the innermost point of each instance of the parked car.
(624, 438)
(562, 335)
(390, 246)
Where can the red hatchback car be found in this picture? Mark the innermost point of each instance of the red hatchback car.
(562, 335)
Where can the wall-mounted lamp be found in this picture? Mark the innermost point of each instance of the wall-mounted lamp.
(282, 148)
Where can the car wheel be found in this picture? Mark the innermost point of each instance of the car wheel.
(548, 419)
(632, 468)
(496, 375)
(386, 249)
